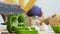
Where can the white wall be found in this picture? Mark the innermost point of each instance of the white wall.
(49, 6)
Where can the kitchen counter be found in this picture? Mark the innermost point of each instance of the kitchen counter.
(4, 31)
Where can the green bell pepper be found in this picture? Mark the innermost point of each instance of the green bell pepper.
(14, 20)
(25, 30)
(56, 29)
(16, 24)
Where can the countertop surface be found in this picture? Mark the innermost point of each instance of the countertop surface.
(41, 32)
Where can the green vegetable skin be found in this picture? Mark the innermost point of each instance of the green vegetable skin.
(25, 30)
(12, 18)
(16, 24)
(56, 29)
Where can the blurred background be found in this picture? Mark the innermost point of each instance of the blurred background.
(49, 7)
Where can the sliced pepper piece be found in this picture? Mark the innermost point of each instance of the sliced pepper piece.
(11, 19)
(15, 20)
(25, 30)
